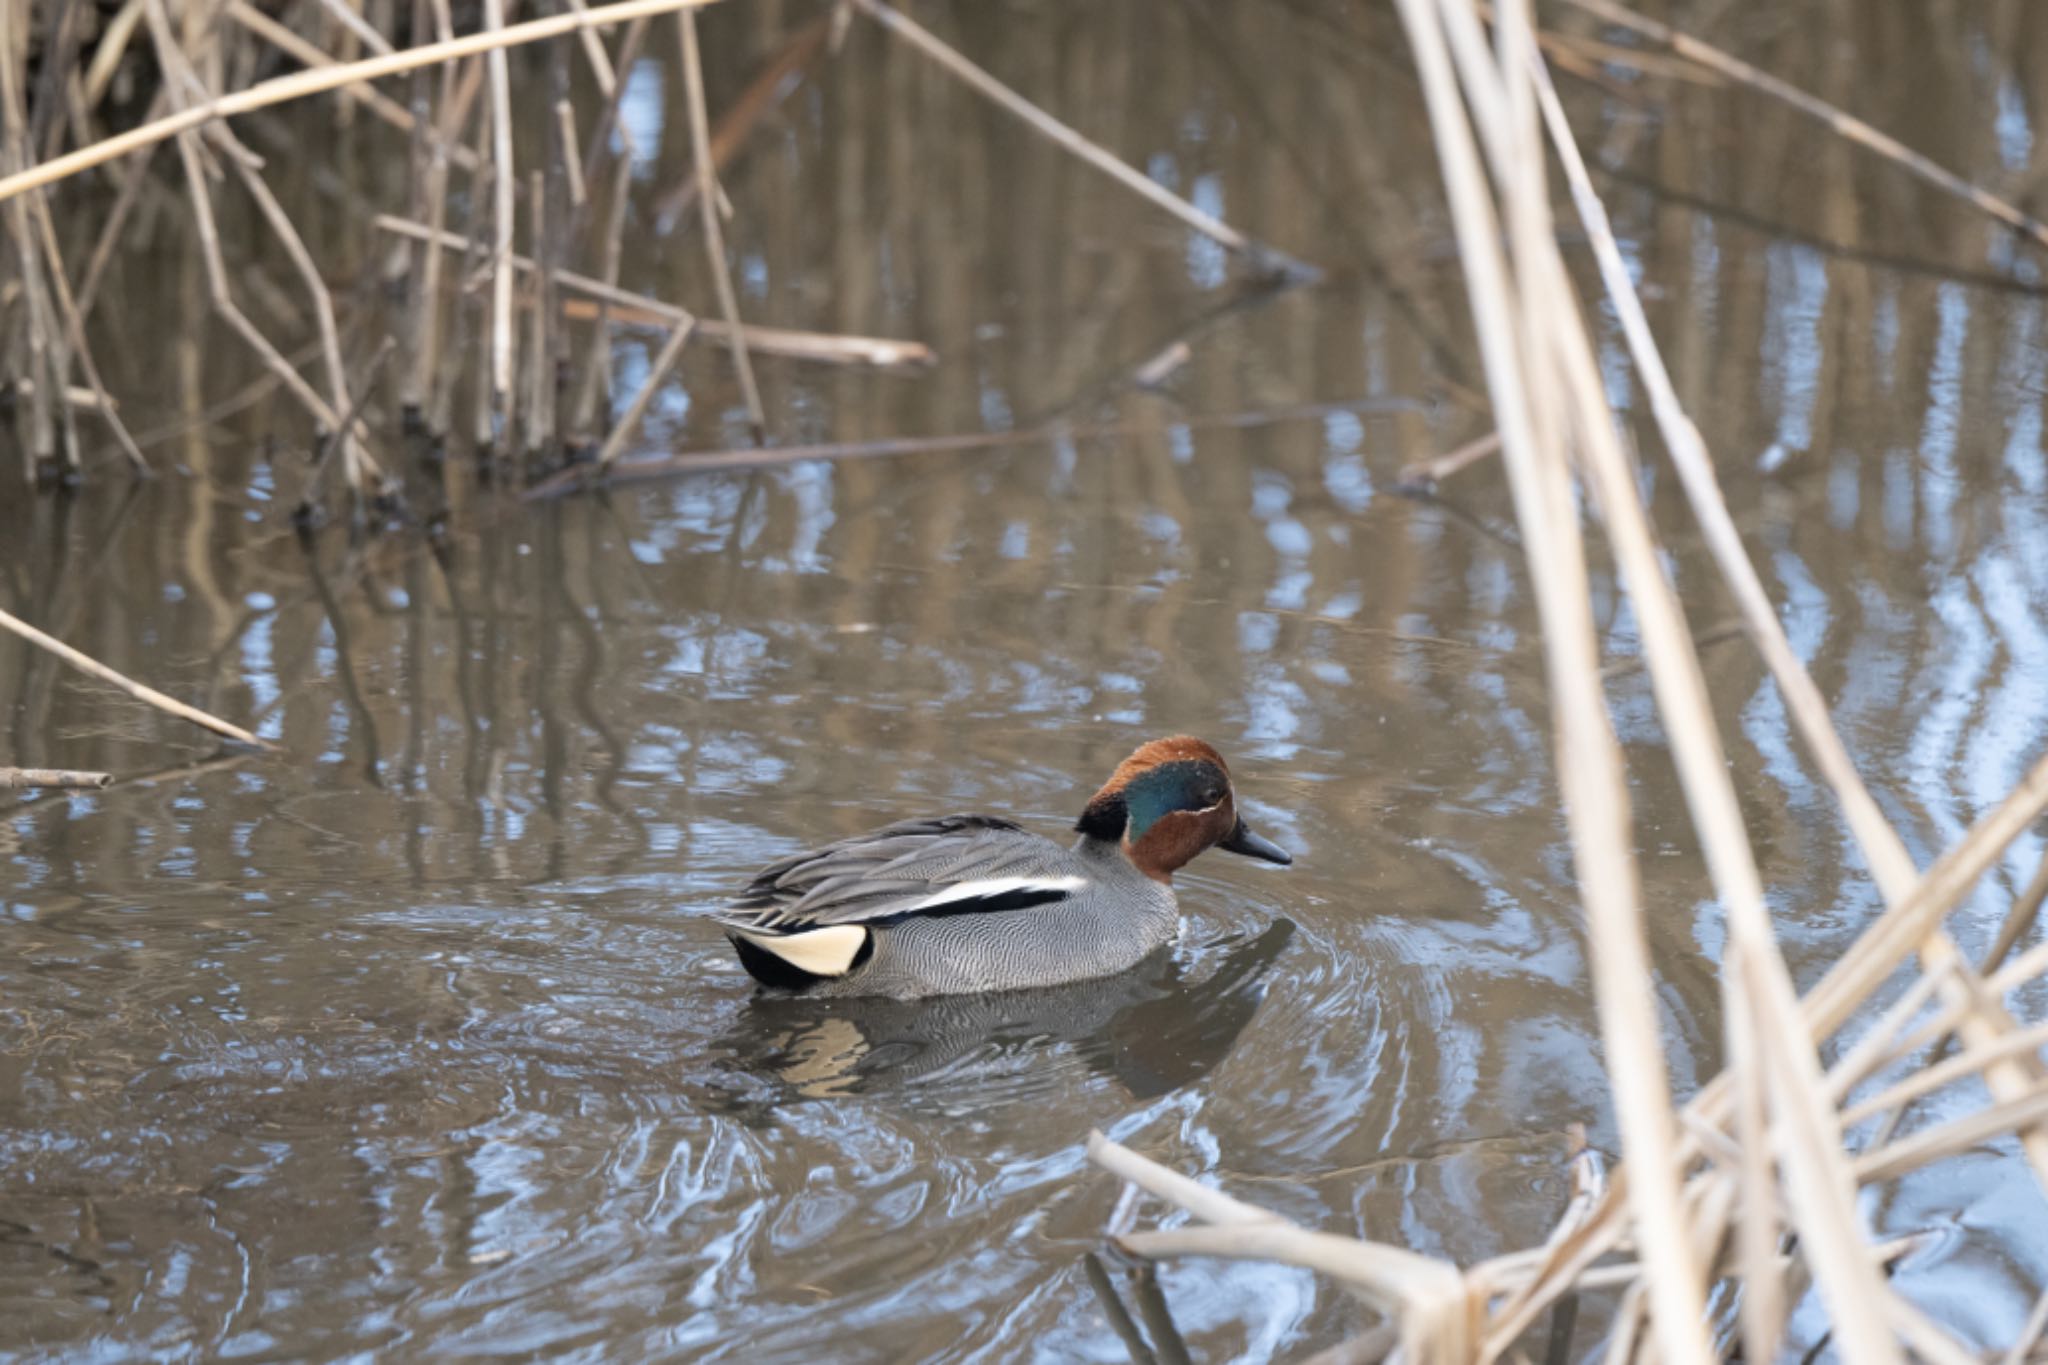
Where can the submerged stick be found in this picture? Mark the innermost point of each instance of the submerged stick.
(1846, 124)
(714, 461)
(92, 667)
(1263, 258)
(714, 234)
(64, 778)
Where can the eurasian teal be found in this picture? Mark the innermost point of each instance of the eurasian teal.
(966, 903)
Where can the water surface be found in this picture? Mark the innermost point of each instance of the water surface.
(411, 1039)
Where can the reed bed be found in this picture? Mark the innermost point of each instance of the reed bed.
(498, 322)
(1727, 1208)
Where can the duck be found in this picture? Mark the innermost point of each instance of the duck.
(960, 904)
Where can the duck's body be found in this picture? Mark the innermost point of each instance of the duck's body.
(968, 903)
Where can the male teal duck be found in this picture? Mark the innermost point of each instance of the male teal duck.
(966, 903)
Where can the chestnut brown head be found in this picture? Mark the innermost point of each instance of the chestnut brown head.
(1169, 801)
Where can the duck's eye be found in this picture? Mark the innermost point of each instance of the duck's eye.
(1212, 797)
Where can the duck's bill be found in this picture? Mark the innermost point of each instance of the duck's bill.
(1242, 840)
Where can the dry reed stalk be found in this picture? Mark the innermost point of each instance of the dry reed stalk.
(110, 231)
(769, 87)
(623, 429)
(1427, 1297)
(339, 438)
(1891, 865)
(300, 84)
(38, 324)
(714, 233)
(1263, 259)
(77, 395)
(61, 778)
(2019, 920)
(114, 40)
(346, 16)
(1758, 992)
(312, 56)
(1589, 766)
(1423, 476)
(457, 97)
(534, 423)
(2037, 1322)
(504, 190)
(594, 53)
(626, 306)
(74, 338)
(572, 165)
(92, 667)
(1783, 1157)
(596, 386)
(1845, 124)
(359, 470)
(598, 145)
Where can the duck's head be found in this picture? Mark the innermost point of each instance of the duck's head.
(1169, 801)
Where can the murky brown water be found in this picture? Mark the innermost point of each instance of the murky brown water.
(411, 1041)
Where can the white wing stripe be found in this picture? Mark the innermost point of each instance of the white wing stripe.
(990, 887)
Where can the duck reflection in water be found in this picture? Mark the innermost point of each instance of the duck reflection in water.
(1151, 1029)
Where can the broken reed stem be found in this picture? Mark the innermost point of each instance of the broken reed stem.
(1845, 124)
(1263, 259)
(714, 233)
(92, 667)
(300, 84)
(1424, 475)
(825, 347)
(61, 778)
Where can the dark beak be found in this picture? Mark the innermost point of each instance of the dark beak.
(1242, 840)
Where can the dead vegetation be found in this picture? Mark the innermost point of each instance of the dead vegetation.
(484, 320)
(1725, 1210)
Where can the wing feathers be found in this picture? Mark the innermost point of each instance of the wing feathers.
(958, 864)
